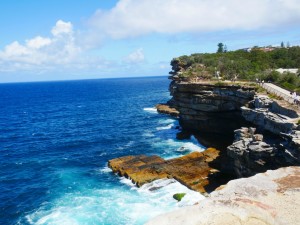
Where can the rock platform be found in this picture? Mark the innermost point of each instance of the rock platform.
(264, 199)
(192, 170)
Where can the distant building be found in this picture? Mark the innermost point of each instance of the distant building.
(280, 70)
(246, 49)
(267, 49)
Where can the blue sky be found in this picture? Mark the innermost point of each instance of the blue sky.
(67, 39)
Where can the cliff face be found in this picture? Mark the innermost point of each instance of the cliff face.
(250, 153)
(267, 198)
(210, 108)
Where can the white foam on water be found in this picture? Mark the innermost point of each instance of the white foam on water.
(166, 121)
(164, 189)
(148, 134)
(150, 110)
(105, 169)
(169, 126)
(118, 204)
(173, 148)
(126, 146)
(128, 182)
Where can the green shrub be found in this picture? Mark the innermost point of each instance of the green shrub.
(178, 196)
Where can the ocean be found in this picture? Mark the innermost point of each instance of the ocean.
(56, 139)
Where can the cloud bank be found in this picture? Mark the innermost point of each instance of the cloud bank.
(131, 18)
(42, 52)
(136, 57)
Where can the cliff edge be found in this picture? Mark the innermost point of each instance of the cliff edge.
(266, 198)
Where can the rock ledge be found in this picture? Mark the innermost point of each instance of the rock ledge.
(264, 199)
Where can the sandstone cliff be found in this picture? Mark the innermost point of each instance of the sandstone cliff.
(267, 198)
(210, 108)
(252, 154)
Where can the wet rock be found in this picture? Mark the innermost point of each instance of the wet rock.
(191, 170)
(166, 109)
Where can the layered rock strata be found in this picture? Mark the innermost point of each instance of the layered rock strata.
(270, 115)
(210, 108)
(267, 198)
(193, 170)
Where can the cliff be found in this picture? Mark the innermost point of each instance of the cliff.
(228, 110)
(267, 198)
(210, 108)
(252, 154)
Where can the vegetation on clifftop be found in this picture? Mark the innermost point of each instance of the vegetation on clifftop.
(241, 64)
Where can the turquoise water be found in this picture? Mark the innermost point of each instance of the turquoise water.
(56, 139)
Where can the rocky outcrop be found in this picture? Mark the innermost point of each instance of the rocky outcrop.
(192, 170)
(252, 155)
(208, 107)
(166, 109)
(267, 198)
(270, 115)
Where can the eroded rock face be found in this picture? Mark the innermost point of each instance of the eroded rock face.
(210, 108)
(264, 199)
(192, 170)
(270, 115)
(252, 155)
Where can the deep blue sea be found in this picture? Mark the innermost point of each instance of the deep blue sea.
(56, 139)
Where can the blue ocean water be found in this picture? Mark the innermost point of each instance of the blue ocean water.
(56, 139)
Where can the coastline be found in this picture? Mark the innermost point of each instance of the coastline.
(199, 105)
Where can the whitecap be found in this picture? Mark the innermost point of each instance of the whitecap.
(105, 169)
(148, 134)
(169, 126)
(166, 121)
(127, 182)
(151, 110)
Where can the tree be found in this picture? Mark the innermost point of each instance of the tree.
(282, 45)
(220, 48)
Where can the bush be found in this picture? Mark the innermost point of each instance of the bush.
(178, 196)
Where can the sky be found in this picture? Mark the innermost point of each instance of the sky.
(67, 39)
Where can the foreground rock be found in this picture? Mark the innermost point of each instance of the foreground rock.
(192, 170)
(264, 199)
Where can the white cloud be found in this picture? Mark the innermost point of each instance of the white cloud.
(43, 52)
(62, 27)
(136, 57)
(38, 42)
(130, 18)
